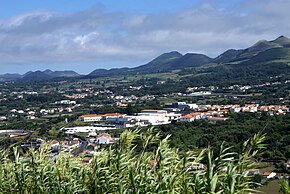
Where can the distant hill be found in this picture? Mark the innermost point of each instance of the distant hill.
(282, 41)
(61, 73)
(35, 76)
(47, 74)
(10, 76)
(263, 58)
(227, 56)
(167, 61)
(38, 75)
(252, 51)
(110, 72)
(175, 60)
(189, 60)
(157, 64)
(261, 51)
(160, 63)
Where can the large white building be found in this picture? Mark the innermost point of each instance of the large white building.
(95, 117)
(88, 129)
(153, 117)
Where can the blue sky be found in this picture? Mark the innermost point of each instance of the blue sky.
(89, 34)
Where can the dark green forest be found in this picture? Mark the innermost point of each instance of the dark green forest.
(203, 134)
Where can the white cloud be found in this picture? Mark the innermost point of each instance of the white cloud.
(95, 35)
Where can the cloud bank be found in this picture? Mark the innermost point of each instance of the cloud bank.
(95, 35)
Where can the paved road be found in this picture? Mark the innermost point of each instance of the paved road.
(82, 147)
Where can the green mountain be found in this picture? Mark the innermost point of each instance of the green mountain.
(160, 63)
(282, 41)
(265, 58)
(227, 56)
(47, 74)
(10, 77)
(61, 73)
(189, 60)
(165, 62)
(262, 51)
(257, 48)
(35, 76)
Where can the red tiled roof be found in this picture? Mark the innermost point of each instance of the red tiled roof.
(104, 135)
(112, 114)
(90, 115)
(266, 173)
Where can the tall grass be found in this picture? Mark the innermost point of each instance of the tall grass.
(120, 169)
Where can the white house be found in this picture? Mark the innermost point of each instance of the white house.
(192, 116)
(2, 118)
(104, 138)
(69, 145)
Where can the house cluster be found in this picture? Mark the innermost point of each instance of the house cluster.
(135, 87)
(219, 112)
(234, 108)
(29, 114)
(118, 100)
(75, 96)
(122, 101)
(270, 109)
(69, 144)
(181, 111)
(144, 118)
(85, 148)
(65, 102)
(96, 142)
(32, 114)
(206, 90)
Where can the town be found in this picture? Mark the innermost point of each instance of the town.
(81, 118)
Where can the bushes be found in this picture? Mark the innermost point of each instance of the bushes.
(120, 169)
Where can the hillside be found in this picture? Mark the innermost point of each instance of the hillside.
(39, 75)
(160, 63)
(262, 51)
(262, 58)
(35, 76)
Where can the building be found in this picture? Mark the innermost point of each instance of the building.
(104, 138)
(88, 129)
(192, 116)
(181, 105)
(112, 117)
(90, 118)
(153, 117)
(217, 118)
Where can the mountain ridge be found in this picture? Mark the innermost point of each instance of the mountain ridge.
(261, 51)
(39, 75)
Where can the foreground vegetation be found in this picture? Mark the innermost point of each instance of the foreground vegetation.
(120, 169)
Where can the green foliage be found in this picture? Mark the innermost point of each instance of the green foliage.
(201, 134)
(285, 186)
(120, 169)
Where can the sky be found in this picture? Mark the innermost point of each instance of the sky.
(84, 35)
